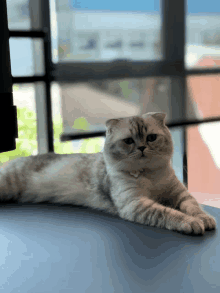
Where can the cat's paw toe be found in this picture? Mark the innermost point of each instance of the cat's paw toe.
(192, 226)
(209, 222)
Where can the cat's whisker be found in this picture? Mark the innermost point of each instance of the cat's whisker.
(133, 155)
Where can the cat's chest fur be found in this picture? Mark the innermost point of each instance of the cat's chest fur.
(148, 184)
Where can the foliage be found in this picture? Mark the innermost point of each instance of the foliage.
(26, 144)
(125, 90)
(91, 145)
(81, 124)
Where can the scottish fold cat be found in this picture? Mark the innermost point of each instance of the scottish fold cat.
(132, 178)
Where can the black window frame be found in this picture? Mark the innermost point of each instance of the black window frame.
(172, 65)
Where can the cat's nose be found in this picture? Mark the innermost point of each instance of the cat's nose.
(142, 148)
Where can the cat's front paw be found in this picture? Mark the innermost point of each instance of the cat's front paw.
(209, 222)
(192, 225)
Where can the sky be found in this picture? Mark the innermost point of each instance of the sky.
(194, 6)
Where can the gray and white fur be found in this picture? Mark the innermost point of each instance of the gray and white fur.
(132, 178)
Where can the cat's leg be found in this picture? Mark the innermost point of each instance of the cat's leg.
(146, 211)
(187, 204)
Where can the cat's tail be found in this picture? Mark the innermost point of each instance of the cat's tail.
(13, 179)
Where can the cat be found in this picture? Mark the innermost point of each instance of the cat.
(132, 178)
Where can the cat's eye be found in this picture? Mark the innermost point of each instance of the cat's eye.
(151, 137)
(129, 140)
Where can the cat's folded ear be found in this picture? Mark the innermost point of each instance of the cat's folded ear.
(111, 124)
(159, 116)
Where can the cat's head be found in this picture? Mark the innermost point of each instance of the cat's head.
(138, 142)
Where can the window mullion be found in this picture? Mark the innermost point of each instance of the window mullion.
(42, 92)
(173, 46)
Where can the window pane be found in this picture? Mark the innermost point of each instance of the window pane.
(86, 106)
(98, 101)
(203, 144)
(203, 96)
(107, 30)
(59, 147)
(26, 143)
(26, 56)
(203, 34)
(18, 14)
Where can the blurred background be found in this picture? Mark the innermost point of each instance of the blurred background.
(95, 31)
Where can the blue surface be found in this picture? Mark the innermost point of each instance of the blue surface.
(72, 249)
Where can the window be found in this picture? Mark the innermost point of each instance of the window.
(203, 53)
(155, 56)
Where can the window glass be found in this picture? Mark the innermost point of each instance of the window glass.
(98, 101)
(106, 30)
(203, 96)
(203, 141)
(86, 106)
(59, 147)
(18, 14)
(203, 162)
(26, 56)
(203, 34)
